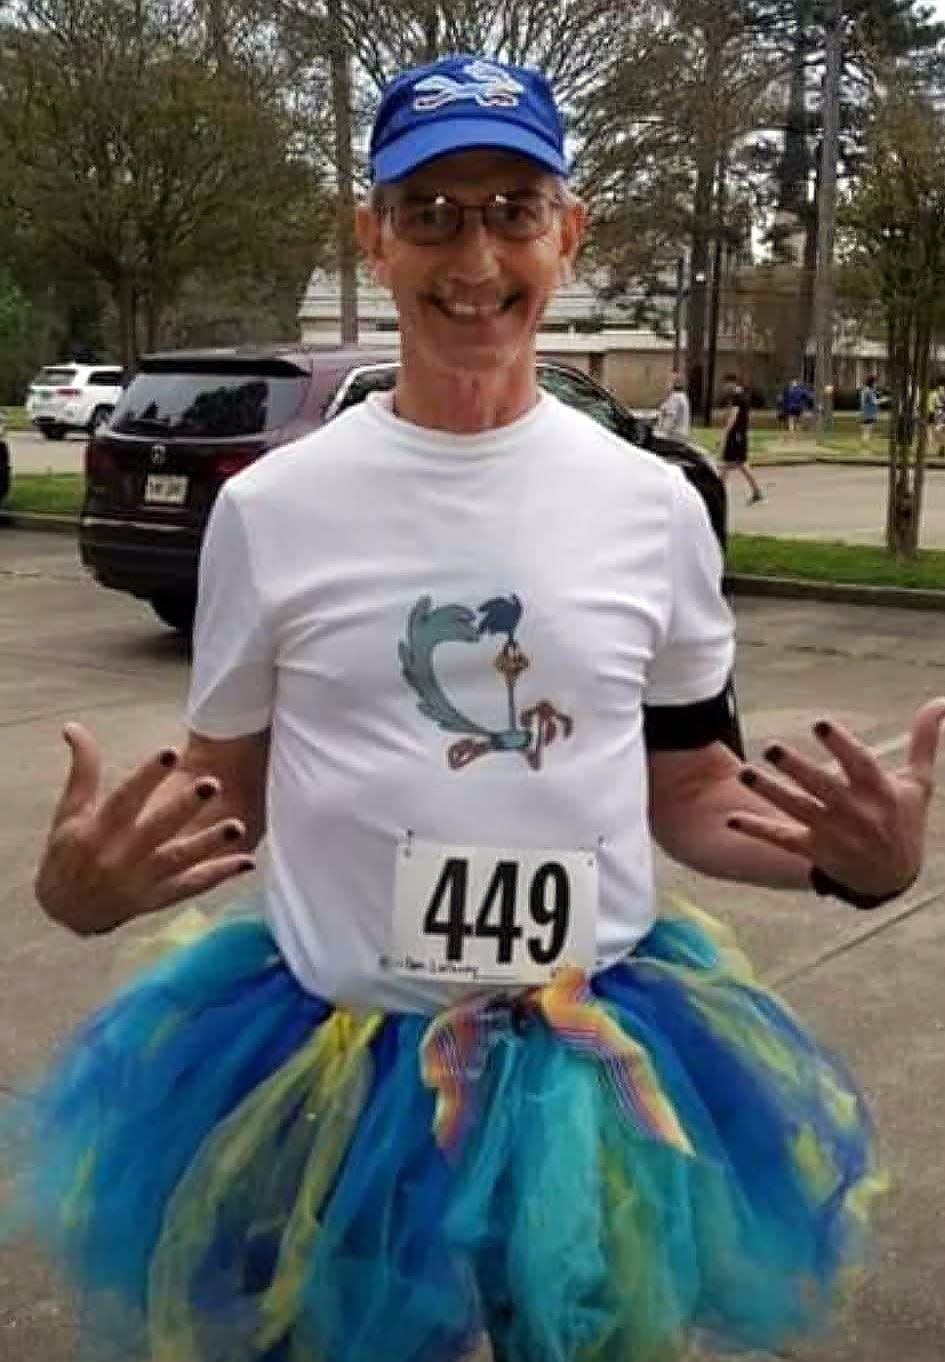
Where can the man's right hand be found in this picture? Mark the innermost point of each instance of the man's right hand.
(150, 843)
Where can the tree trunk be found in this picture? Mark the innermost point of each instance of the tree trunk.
(122, 292)
(698, 272)
(827, 223)
(718, 265)
(347, 250)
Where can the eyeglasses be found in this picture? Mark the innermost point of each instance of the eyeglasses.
(438, 220)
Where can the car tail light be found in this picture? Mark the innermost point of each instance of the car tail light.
(100, 465)
(234, 461)
(68, 392)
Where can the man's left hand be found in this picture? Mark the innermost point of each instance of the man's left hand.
(862, 826)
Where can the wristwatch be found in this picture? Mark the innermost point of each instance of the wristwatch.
(825, 884)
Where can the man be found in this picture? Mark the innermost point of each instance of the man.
(675, 419)
(458, 653)
(734, 441)
(794, 403)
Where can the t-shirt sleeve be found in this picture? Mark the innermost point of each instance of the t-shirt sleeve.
(233, 675)
(695, 658)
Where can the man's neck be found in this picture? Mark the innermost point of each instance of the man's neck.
(464, 404)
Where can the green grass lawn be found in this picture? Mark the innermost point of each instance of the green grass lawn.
(766, 439)
(46, 493)
(818, 561)
(14, 418)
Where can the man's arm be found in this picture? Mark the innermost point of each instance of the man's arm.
(177, 827)
(692, 795)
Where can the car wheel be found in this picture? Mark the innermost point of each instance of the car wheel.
(99, 417)
(176, 611)
(54, 432)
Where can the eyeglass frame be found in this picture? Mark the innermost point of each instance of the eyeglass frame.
(551, 203)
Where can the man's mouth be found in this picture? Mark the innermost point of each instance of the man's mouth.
(480, 311)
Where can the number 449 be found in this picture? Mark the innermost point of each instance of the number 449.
(548, 906)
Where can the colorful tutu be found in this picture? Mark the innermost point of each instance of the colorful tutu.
(231, 1170)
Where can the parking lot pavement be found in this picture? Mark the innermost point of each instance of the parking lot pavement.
(31, 453)
(871, 983)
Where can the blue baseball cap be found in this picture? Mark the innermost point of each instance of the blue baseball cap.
(463, 102)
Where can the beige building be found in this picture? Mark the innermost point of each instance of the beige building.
(580, 329)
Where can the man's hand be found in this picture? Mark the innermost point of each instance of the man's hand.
(141, 848)
(862, 826)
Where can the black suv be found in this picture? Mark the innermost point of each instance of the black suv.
(189, 420)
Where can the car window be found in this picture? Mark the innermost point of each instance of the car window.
(208, 405)
(583, 395)
(104, 378)
(54, 378)
(362, 382)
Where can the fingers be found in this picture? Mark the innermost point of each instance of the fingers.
(182, 853)
(128, 799)
(197, 879)
(924, 740)
(789, 837)
(85, 774)
(829, 789)
(171, 816)
(854, 756)
(797, 805)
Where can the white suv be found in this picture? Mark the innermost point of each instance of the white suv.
(64, 397)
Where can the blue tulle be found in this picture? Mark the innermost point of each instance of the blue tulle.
(564, 1233)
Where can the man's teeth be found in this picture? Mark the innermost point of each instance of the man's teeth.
(473, 309)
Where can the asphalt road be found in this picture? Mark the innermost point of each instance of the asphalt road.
(815, 501)
(871, 984)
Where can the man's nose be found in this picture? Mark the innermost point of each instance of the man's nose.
(474, 250)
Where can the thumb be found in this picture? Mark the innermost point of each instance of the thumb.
(924, 739)
(85, 773)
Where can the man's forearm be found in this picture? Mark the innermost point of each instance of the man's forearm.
(694, 832)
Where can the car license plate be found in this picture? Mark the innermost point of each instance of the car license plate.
(165, 489)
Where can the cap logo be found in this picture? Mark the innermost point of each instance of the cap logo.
(489, 86)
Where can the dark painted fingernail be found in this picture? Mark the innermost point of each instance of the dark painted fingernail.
(822, 728)
(206, 789)
(168, 758)
(245, 866)
(232, 832)
(748, 777)
(735, 824)
(774, 754)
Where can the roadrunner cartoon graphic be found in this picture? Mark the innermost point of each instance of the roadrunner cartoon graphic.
(528, 733)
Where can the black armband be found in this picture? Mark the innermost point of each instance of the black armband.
(681, 728)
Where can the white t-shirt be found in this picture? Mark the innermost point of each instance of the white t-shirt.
(319, 562)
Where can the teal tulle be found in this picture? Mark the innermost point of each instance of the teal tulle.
(229, 1170)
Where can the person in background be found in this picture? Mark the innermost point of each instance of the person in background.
(734, 442)
(794, 401)
(869, 409)
(675, 416)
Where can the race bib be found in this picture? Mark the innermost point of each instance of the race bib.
(487, 915)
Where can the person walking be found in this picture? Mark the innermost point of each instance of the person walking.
(451, 1084)
(794, 400)
(869, 409)
(675, 417)
(734, 440)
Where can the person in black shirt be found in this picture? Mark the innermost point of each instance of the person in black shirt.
(734, 443)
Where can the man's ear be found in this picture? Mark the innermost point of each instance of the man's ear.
(573, 223)
(369, 230)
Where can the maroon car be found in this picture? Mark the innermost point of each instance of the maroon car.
(189, 420)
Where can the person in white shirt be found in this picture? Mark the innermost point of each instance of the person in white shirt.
(453, 1085)
(675, 419)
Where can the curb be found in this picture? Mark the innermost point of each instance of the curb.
(32, 520)
(841, 593)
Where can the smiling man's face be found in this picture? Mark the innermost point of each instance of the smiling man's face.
(472, 304)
